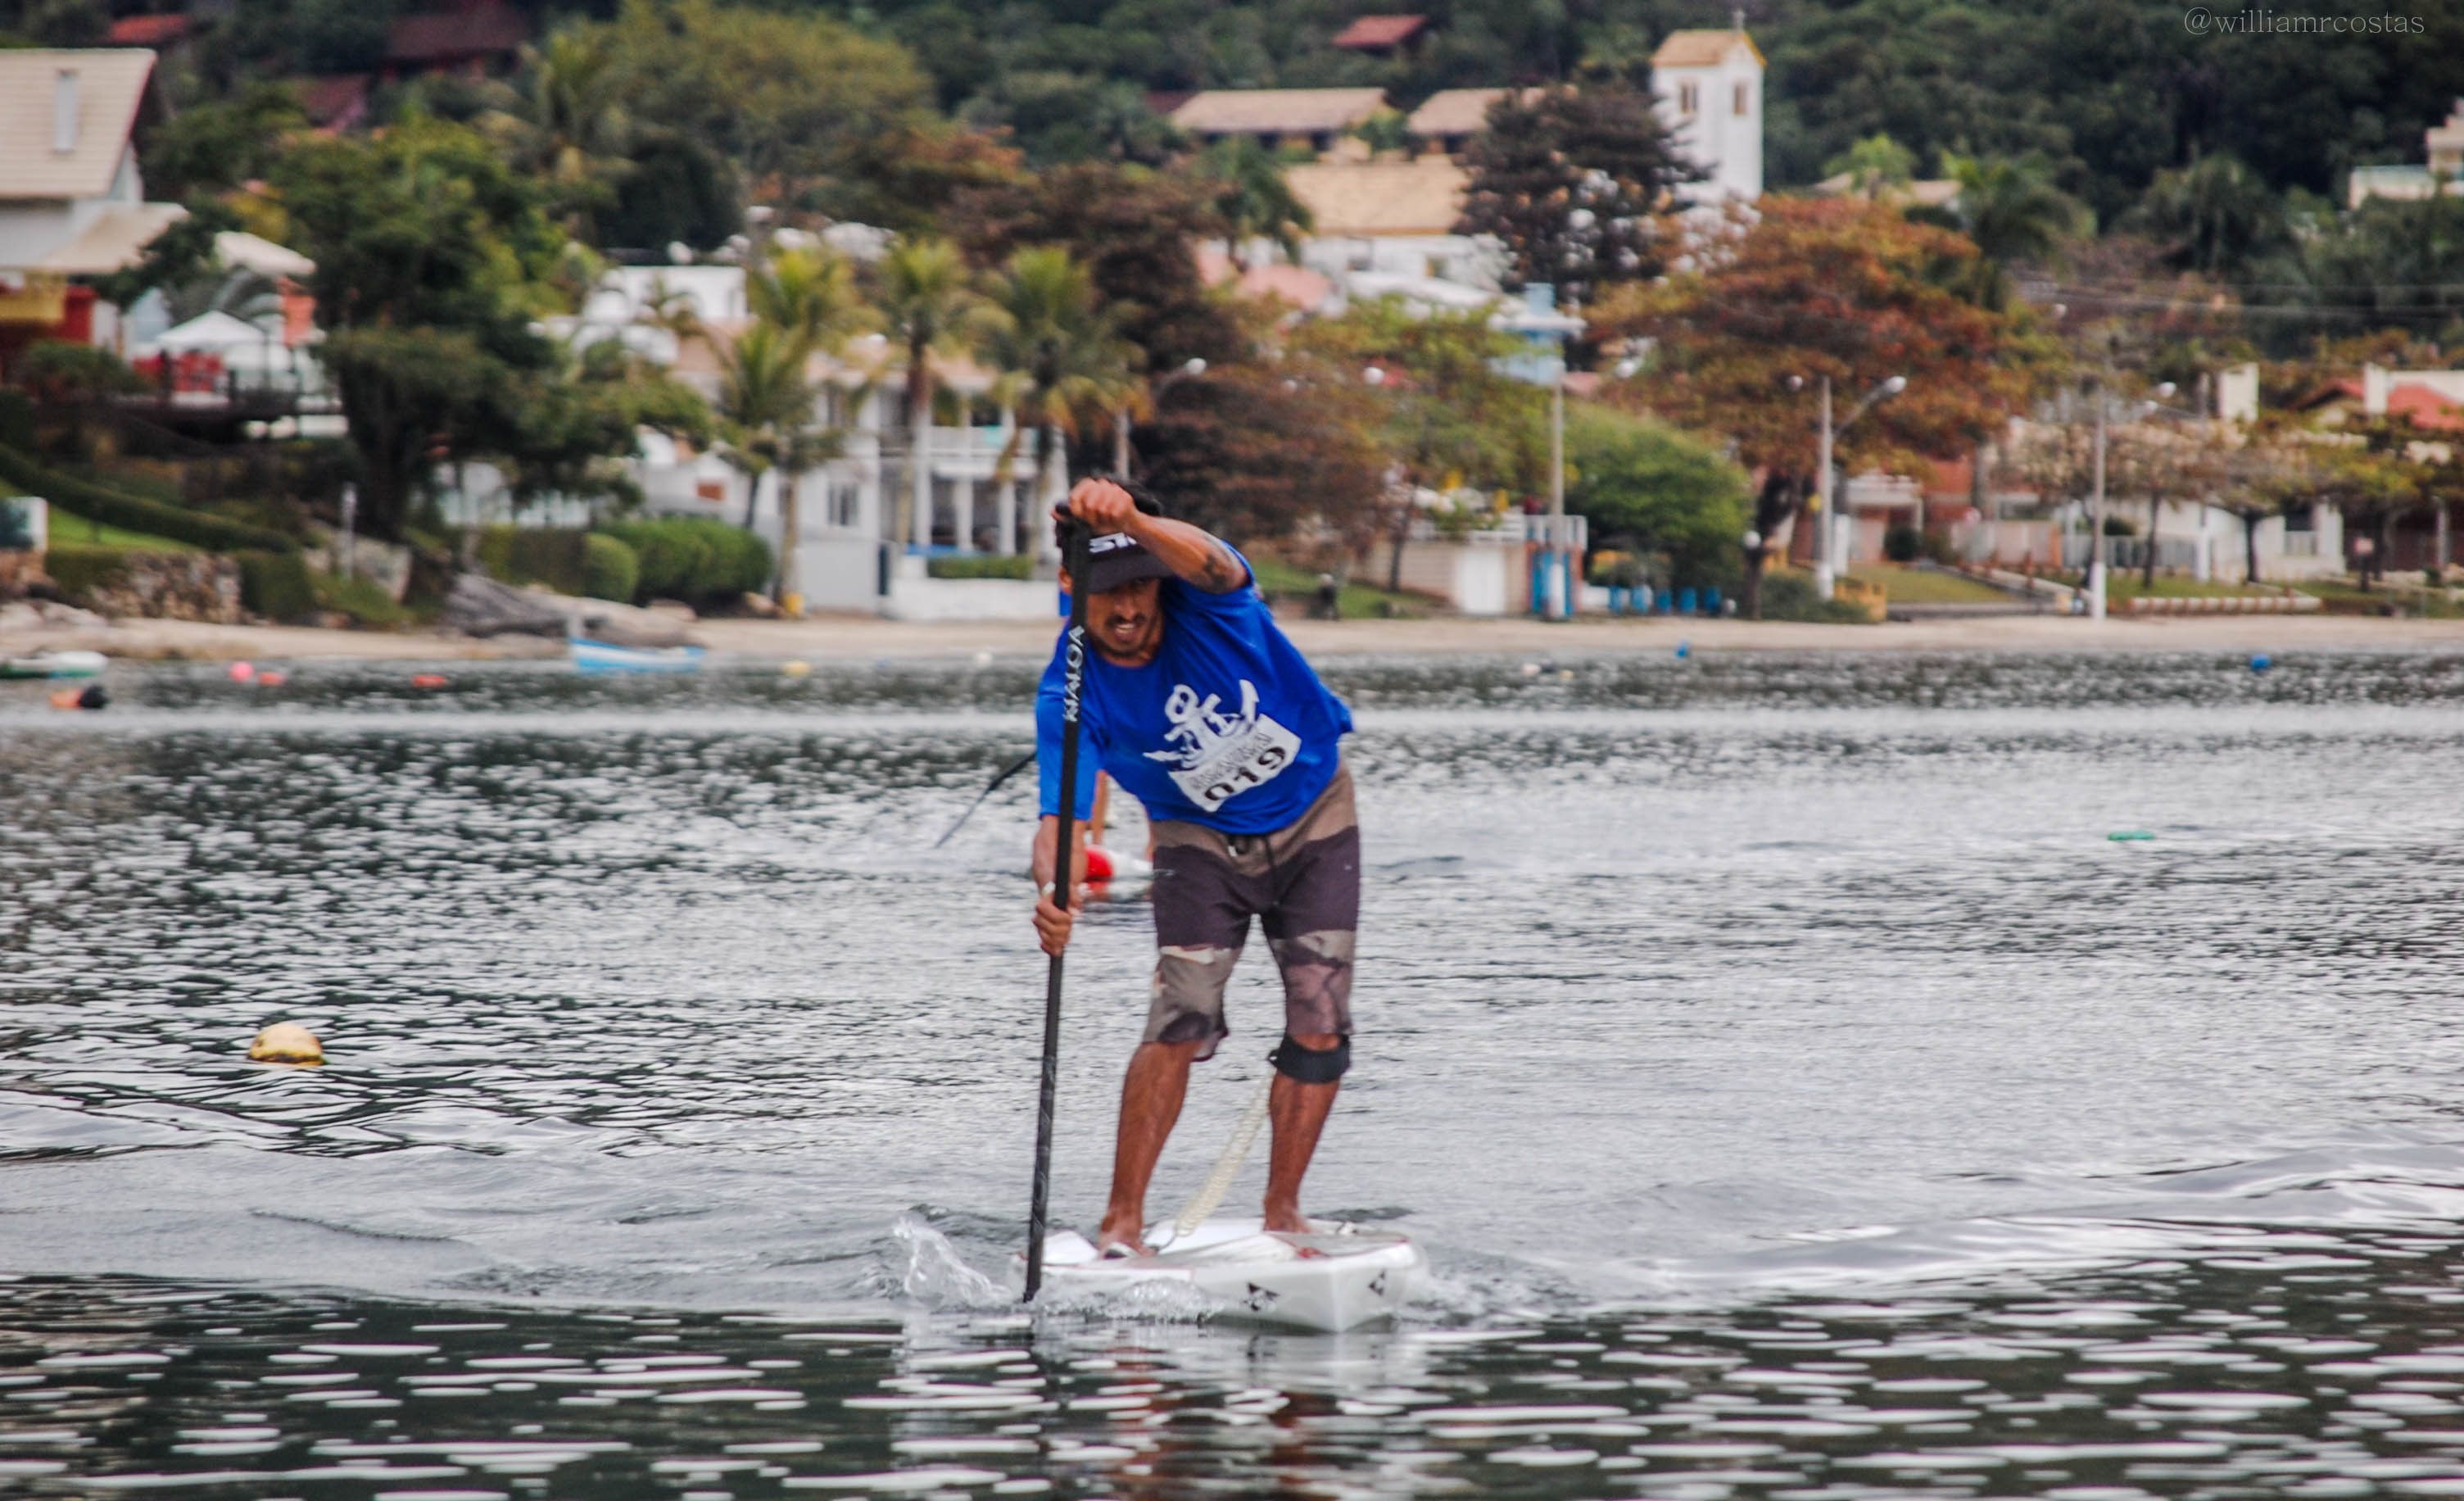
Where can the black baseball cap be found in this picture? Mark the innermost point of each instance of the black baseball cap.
(1117, 558)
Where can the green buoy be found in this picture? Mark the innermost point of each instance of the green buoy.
(2129, 834)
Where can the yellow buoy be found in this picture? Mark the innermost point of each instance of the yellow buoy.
(286, 1042)
(797, 669)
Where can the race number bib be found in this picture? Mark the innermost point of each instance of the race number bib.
(1215, 756)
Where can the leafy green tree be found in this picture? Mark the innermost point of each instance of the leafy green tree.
(1444, 415)
(181, 255)
(220, 144)
(1136, 231)
(574, 131)
(1648, 488)
(927, 297)
(793, 100)
(1873, 164)
(2216, 216)
(1062, 351)
(1252, 198)
(2012, 212)
(68, 379)
(1815, 288)
(576, 420)
(1259, 449)
(1575, 184)
(430, 251)
(2387, 264)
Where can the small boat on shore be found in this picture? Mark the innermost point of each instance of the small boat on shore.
(592, 657)
(54, 664)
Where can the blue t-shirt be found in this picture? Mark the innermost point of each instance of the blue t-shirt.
(1228, 726)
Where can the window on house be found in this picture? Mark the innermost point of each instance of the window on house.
(1689, 97)
(1745, 97)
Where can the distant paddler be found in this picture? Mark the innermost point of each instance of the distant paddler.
(1200, 707)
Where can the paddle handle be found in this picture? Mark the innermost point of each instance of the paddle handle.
(1064, 886)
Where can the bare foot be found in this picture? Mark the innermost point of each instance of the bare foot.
(1287, 1217)
(1119, 1229)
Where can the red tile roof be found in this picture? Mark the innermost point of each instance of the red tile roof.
(2426, 408)
(480, 31)
(1369, 33)
(148, 30)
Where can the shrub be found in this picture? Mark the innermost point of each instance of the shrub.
(1790, 596)
(363, 600)
(981, 565)
(275, 585)
(610, 569)
(134, 512)
(1902, 544)
(533, 555)
(693, 557)
(77, 573)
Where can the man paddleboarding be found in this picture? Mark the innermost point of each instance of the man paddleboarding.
(1202, 709)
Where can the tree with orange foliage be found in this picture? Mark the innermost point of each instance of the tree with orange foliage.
(1807, 288)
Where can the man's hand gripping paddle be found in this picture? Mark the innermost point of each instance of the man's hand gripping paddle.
(1064, 883)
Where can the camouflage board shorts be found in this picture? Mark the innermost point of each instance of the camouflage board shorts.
(1301, 882)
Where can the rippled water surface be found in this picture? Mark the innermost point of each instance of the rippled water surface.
(1798, 1092)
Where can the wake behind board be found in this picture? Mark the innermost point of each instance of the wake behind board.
(1331, 1279)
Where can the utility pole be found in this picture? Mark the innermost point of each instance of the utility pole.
(1823, 502)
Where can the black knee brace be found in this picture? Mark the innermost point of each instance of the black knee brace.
(1311, 1065)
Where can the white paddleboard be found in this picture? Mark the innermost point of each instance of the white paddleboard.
(1334, 1278)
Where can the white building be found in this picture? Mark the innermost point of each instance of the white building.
(849, 551)
(1709, 89)
(2443, 147)
(70, 200)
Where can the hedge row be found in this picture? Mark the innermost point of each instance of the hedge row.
(135, 513)
(694, 558)
(275, 585)
(77, 573)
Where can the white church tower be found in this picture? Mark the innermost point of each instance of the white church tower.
(1709, 89)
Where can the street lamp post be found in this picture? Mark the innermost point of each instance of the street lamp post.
(1827, 545)
(1190, 367)
(1824, 503)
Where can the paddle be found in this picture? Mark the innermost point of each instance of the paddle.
(1065, 885)
(1012, 770)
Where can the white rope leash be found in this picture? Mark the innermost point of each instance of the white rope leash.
(1227, 1167)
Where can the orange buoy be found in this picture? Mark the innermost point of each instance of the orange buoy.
(428, 680)
(271, 679)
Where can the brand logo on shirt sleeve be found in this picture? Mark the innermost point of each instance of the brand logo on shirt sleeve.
(1217, 756)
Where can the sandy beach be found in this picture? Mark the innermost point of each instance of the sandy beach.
(850, 638)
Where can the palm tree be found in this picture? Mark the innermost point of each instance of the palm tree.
(1062, 351)
(804, 302)
(1252, 198)
(765, 408)
(810, 296)
(2014, 212)
(2218, 213)
(574, 132)
(929, 302)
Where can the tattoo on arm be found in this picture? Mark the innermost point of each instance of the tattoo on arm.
(1221, 572)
